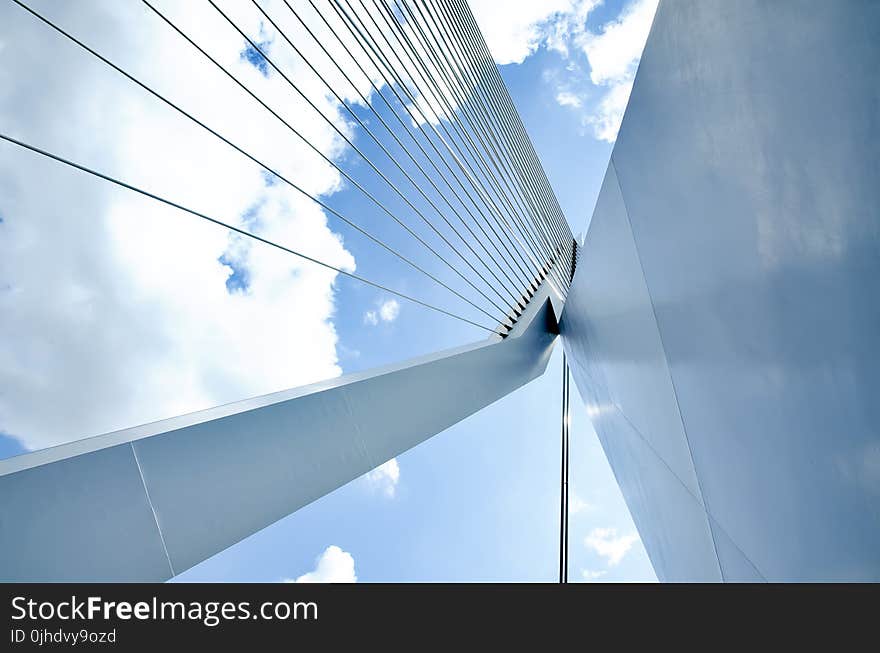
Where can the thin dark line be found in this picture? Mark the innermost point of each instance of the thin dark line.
(527, 172)
(464, 76)
(524, 143)
(464, 73)
(461, 160)
(418, 166)
(567, 461)
(348, 141)
(563, 478)
(348, 23)
(464, 15)
(460, 97)
(237, 230)
(536, 165)
(293, 130)
(488, 124)
(249, 156)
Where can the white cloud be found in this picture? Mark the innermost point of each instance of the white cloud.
(592, 574)
(514, 29)
(115, 309)
(387, 311)
(333, 566)
(561, 32)
(614, 55)
(606, 543)
(568, 99)
(612, 51)
(385, 477)
(608, 115)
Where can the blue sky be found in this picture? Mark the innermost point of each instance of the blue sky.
(479, 501)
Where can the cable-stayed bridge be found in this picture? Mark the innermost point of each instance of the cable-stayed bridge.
(719, 322)
(434, 129)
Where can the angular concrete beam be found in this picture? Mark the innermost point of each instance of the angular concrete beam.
(146, 503)
(724, 317)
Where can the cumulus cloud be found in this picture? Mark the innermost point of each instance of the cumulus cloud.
(611, 50)
(608, 544)
(332, 566)
(117, 310)
(614, 53)
(387, 311)
(385, 477)
(515, 29)
(569, 99)
(608, 115)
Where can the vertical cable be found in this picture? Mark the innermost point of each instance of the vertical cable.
(567, 456)
(232, 228)
(383, 11)
(261, 51)
(563, 490)
(471, 73)
(341, 170)
(461, 96)
(560, 226)
(442, 177)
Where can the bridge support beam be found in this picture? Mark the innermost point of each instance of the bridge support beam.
(724, 317)
(146, 503)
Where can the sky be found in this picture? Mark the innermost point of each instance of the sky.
(117, 311)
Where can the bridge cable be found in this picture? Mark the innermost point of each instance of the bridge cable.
(235, 229)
